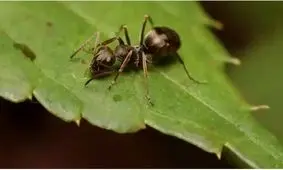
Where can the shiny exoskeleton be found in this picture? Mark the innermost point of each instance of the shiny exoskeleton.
(102, 63)
(159, 42)
(162, 41)
(104, 58)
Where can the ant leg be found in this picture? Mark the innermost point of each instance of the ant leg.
(145, 73)
(83, 45)
(187, 72)
(124, 64)
(93, 49)
(106, 42)
(146, 18)
(110, 40)
(95, 43)
(121, 42)
(128, 40)
(98, 76)
(117, 37)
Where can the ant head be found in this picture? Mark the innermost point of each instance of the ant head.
(105, 55)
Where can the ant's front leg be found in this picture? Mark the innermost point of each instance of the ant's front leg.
(121, 69)
(106, 42)
(110, 40)
(117, 37)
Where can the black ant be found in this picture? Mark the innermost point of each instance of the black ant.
(159, 42)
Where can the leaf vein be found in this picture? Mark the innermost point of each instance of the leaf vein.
(222, 116)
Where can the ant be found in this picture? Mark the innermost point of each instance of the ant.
(159, 42)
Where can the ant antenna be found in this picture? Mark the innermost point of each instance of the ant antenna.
(84, 44)
(117, 37)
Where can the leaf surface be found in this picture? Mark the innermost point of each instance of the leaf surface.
(210, 116)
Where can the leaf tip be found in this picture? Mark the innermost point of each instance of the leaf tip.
(214, 24)
(220, 150)
(233, 60)
(259, 107)
(78, 122)
(218, 155)
(143, 126)
(30, 97)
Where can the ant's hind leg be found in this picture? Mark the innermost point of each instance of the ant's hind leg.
(121, 69)
(149, 19)
(146, 18)
(187, 72)
(145, 73)
(82, 46)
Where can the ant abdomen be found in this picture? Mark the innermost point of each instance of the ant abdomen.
(162, 41)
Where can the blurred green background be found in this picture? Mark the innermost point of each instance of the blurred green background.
(253, 32)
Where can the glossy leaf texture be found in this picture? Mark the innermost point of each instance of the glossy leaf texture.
(210, 116)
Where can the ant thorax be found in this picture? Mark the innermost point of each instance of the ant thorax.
(137, 48)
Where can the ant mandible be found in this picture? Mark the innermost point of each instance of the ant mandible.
(159, 42)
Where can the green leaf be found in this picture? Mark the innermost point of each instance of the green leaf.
(210, 116)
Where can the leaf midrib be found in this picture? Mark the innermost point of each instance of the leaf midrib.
(219, 114)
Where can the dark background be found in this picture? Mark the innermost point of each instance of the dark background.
(33, 138)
